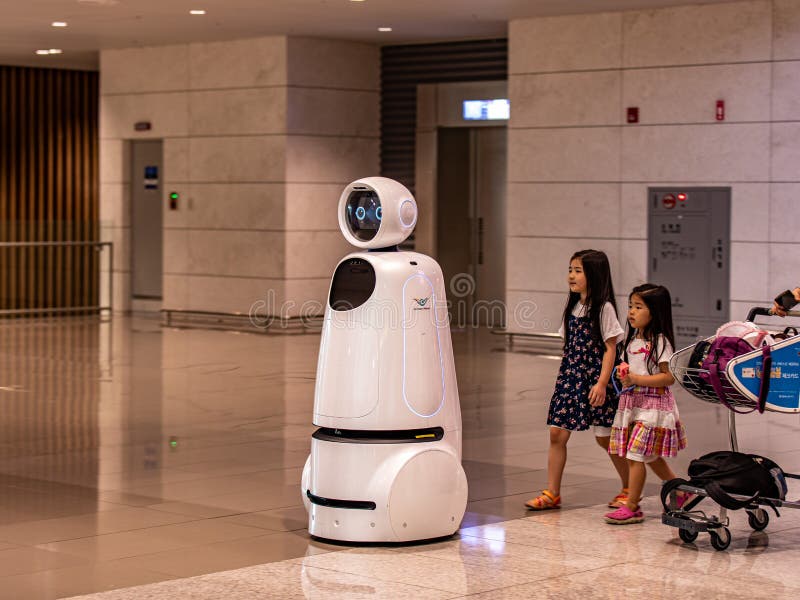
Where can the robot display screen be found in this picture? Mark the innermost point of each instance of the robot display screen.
(364, 214)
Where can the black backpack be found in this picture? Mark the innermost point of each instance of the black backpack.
(724, 473)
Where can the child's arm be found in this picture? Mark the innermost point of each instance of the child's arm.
(597, 395)
(662, 379)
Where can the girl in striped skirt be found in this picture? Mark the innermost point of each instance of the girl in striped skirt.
(647, 427)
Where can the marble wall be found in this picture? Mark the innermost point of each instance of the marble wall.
(260, 137)
(578, 174)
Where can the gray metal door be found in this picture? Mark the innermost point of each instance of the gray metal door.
(454, 222)
(688, 251)
(470, 231)
(489, 184)
(146, 219)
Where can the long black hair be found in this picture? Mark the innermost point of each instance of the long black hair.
(658, 301)
(599, 290)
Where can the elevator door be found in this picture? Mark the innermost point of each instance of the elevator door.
(146, 219)
(471, 192)
(688, 252)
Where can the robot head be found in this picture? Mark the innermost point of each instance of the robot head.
(376, 212)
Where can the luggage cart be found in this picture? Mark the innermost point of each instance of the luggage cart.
(740, 385)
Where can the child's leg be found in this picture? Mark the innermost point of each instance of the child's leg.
(662, 469)
(556, 458)
(638, 475)
(620, 462)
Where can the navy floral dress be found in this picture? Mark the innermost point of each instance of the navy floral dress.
(579, 371)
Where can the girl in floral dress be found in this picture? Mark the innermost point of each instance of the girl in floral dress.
(584, 396)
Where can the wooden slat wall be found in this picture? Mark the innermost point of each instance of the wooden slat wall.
(48, 186)
(405, 67)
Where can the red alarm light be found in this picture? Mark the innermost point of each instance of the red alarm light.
(682, 197)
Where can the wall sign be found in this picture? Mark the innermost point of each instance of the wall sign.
(498, 109)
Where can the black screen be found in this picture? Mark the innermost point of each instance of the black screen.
(364, 214)
(353, 284)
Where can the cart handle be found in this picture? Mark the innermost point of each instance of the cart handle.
(758, 311)
(762, 311)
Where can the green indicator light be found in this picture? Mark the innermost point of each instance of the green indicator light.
(173, 195)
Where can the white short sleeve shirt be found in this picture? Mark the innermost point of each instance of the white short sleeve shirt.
(609, 325)
(639, 350)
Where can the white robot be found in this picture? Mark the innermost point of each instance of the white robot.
(385, 463)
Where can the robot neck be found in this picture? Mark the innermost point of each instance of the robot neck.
(387, 249)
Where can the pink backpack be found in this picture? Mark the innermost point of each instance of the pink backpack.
(734, 339)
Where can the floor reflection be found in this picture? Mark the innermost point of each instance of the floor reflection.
(133, 454)
(50, 381)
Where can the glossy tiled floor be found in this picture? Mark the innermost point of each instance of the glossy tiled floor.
(132, 454)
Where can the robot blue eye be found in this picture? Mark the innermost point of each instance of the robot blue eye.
(363, 214)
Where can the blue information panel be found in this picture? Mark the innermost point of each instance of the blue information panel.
(745, 373)
(151, 177)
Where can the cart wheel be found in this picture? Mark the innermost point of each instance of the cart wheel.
(687, 536)
(758, 519)
(720, 538)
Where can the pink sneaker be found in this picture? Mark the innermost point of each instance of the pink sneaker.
(624, 516)
(683, 498)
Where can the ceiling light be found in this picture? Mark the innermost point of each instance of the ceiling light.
(43, 52)
(197, 12)
(50, 51)
(59, 24)
(384, 28)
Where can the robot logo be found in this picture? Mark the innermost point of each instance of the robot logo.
(421, 302)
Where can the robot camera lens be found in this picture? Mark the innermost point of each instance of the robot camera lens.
(361, 213)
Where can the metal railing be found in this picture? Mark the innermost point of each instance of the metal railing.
(237, 321)
(538, 342)
(51, 278)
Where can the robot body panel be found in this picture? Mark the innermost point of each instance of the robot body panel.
(389, 361)
(419, 490)
(385, 465)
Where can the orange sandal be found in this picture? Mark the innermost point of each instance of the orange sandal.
(619, 499)
(544, 501)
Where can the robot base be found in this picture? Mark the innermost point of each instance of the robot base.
(357, 492)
